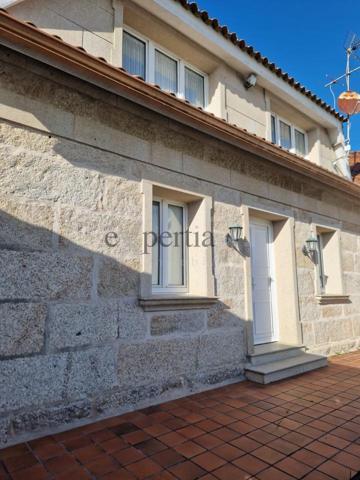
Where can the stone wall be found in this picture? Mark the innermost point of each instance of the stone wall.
(74, 343)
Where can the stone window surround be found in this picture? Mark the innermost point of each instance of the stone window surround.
(201, 287)
(334, 293)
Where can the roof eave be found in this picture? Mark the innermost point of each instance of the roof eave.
(51, 50)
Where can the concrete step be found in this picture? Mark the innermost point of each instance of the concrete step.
(274, 352)
(279, 370)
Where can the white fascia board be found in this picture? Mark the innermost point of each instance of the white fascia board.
(194, 28)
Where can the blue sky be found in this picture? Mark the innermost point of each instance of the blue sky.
(305, 38)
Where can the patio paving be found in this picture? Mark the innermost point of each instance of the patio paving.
(306, 427)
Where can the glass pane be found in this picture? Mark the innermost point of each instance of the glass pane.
(273, 129)
(300, 143)
(194, 88)
(166, 72)
(285, 135)
(156, 247)
(134, 51)
(176, 249)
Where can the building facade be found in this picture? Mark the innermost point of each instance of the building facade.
(174, 207)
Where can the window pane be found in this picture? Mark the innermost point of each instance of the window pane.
(134, 52)
(194, 88)
(300, 143)
(176, 249)
(273, 129)
(156, 247)
(285, 135)
(166, 72)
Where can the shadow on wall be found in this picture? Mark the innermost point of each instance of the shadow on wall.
(75, 345)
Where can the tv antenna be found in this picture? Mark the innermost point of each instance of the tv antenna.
(348, 101)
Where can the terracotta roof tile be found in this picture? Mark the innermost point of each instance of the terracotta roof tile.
(224, 31)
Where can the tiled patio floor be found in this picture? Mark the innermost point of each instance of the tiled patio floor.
(306, 427)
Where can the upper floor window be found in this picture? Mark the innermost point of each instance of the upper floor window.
(288, 136)
(142, 57)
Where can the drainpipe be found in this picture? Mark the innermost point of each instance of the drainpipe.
(341, 162)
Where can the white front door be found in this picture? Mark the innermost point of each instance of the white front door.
(263, 282)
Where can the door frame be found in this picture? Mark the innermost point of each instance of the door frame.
(272, 286)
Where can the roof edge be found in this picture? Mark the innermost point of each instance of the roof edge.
(52, 50)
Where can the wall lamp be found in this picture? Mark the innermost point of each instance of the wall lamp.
(250, 81)
(310, 249)
(234, 235)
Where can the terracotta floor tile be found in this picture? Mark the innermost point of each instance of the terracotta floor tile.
(87, 454)
(337, 471)
(121, 474)
(113, 445)
(275, 430)
(225, 434)
(348, 460)
(62, 464)
(346, 434)
(311, 432)
(128, 455)
(20, 462)
(156, 430)
(124, 428)
(268, 455)
(293, 467)
(189, 449)
(334, 441)
(50, 450)
(273, 473)
(208, 441)
(228, 452)
(77, 442)
(145, 468)
(102, 465)
(309, 458)
(250, 464)
(208, 425)
(282, 446)
(187, 471)
(230, 472)
(172, 439)
(168, 458)
(297, 439)
(102, 435)
(134, 438)
(262, 436)
(209, 461)
(190, 432)
(245, 443)
(78, 474)
(152, 446)
(322, 449)
(36, 472)
(316, 475)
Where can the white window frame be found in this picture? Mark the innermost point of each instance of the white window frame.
(293, 127)
(150, 48)
(163, 286)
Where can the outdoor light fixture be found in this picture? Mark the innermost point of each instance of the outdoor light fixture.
(310, 248)
(250, 81)
(235, 233)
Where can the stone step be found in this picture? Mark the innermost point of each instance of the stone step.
(279, 370)
(274, 352)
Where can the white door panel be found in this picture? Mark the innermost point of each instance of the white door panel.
(265, 322)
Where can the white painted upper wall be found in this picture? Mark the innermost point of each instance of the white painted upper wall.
(97, 26)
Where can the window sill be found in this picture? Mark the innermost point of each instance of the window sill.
(178, 302)
(332, 299)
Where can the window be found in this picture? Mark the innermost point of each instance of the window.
(169, 251)
(320, 263)
(194, 87)
(134, 55)
(142, 57)
(288, 136)
(328, 262)
(166, 72)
